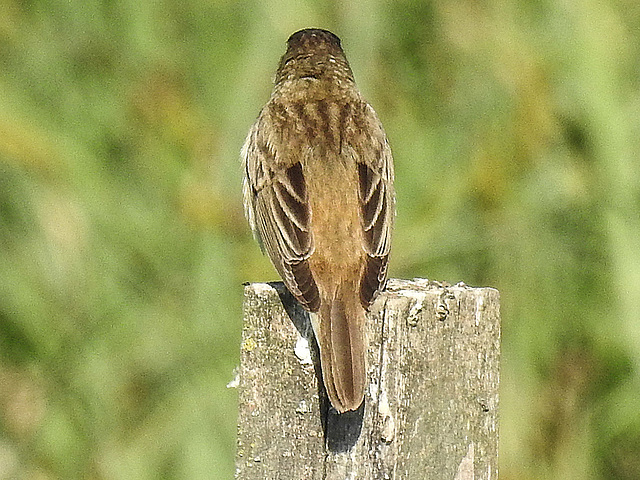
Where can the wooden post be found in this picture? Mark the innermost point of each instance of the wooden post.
(431, 411)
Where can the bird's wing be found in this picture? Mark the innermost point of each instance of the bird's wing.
(377, 201)
(277, 206)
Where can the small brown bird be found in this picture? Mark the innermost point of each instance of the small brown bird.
(318, 194)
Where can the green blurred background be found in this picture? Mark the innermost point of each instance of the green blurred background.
(515, 126)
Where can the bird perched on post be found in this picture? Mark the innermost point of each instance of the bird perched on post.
(318, 194)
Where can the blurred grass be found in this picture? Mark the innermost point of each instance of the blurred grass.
(515, 129)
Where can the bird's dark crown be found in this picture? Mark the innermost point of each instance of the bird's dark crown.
(314, 38)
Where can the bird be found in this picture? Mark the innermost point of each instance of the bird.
(319, 196)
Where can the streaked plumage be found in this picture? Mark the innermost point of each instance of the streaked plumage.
(318, 193)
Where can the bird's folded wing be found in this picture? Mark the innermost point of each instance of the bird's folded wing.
(377, 202)
(275, 196)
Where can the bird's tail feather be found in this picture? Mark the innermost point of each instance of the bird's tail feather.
(342, 349)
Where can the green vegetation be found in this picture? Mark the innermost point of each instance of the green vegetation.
(515, 127)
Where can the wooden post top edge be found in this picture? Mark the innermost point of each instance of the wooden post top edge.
(393, 285)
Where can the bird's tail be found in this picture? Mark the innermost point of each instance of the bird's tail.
(340, 335)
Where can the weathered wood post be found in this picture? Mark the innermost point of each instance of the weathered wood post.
(431, 411)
